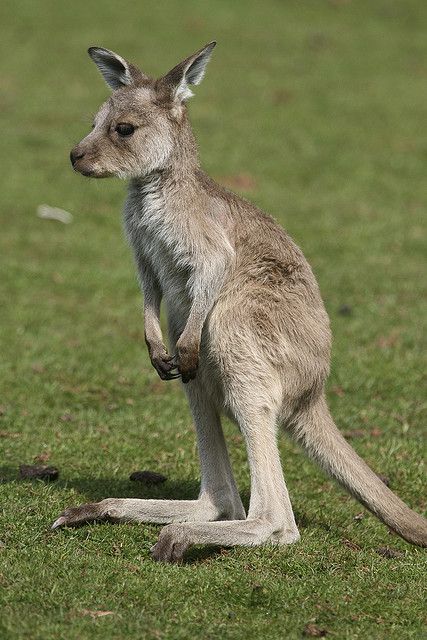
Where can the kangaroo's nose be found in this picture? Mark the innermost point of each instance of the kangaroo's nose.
(75, 155)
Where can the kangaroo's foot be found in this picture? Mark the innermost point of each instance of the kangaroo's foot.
(203, 509)
(175, 539)
(74, 516)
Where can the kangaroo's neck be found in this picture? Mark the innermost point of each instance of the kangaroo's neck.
(170, 190)
(184, 159)
(180, 193)
(179, 176)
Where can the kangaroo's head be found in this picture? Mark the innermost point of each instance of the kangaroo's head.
(143, 125)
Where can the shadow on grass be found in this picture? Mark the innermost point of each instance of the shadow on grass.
(200, 555)
(95, 489)
(99, 488)
(8, 474)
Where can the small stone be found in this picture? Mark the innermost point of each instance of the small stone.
(147, 477)
(345, 310)
(38, 472)
(384, 479)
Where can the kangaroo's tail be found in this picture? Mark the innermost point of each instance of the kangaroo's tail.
(317, 433)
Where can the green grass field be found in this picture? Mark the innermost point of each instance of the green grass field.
(317, 110)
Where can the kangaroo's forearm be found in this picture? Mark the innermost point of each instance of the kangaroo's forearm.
(152, 328)
(205, 286)
(160, 359)
(152, 301)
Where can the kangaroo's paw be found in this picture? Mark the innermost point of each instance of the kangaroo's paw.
(171, 544)
(74, 516)
(165, 366)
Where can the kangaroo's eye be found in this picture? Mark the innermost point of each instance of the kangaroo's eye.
(125, 129)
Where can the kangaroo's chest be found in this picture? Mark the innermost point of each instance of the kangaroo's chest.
(152, 234)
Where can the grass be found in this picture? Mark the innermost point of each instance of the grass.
(321, 107)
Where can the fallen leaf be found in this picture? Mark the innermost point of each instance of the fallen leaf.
(9, 434)
(133, 568)
(117, 548)
(314, 631)
(196, 23)
(376, 432)
(57, 278)
(54, 213)
(73, 344)
(338, 391)
(241, 181)
(37, 367)
(157, 387)
(351, 545)
(386, 342)
(282, 96)
(359, 516)
(388, 552)
(42, 457)
(96, 614)
(318, 41)
(66, 417)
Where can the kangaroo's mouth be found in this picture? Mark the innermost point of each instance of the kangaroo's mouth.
(89, 171)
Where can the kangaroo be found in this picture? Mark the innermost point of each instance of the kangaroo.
(248, 333)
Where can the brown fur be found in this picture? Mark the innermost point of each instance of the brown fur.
(247, 326)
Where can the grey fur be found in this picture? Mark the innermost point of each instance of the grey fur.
(248, 331)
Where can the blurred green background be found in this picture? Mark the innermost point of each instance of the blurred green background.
(315, 110)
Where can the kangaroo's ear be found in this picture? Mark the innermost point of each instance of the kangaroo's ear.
(117, 72)
(189, 71)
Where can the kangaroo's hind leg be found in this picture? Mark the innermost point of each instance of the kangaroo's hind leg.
(270, 517)
(218, 498)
